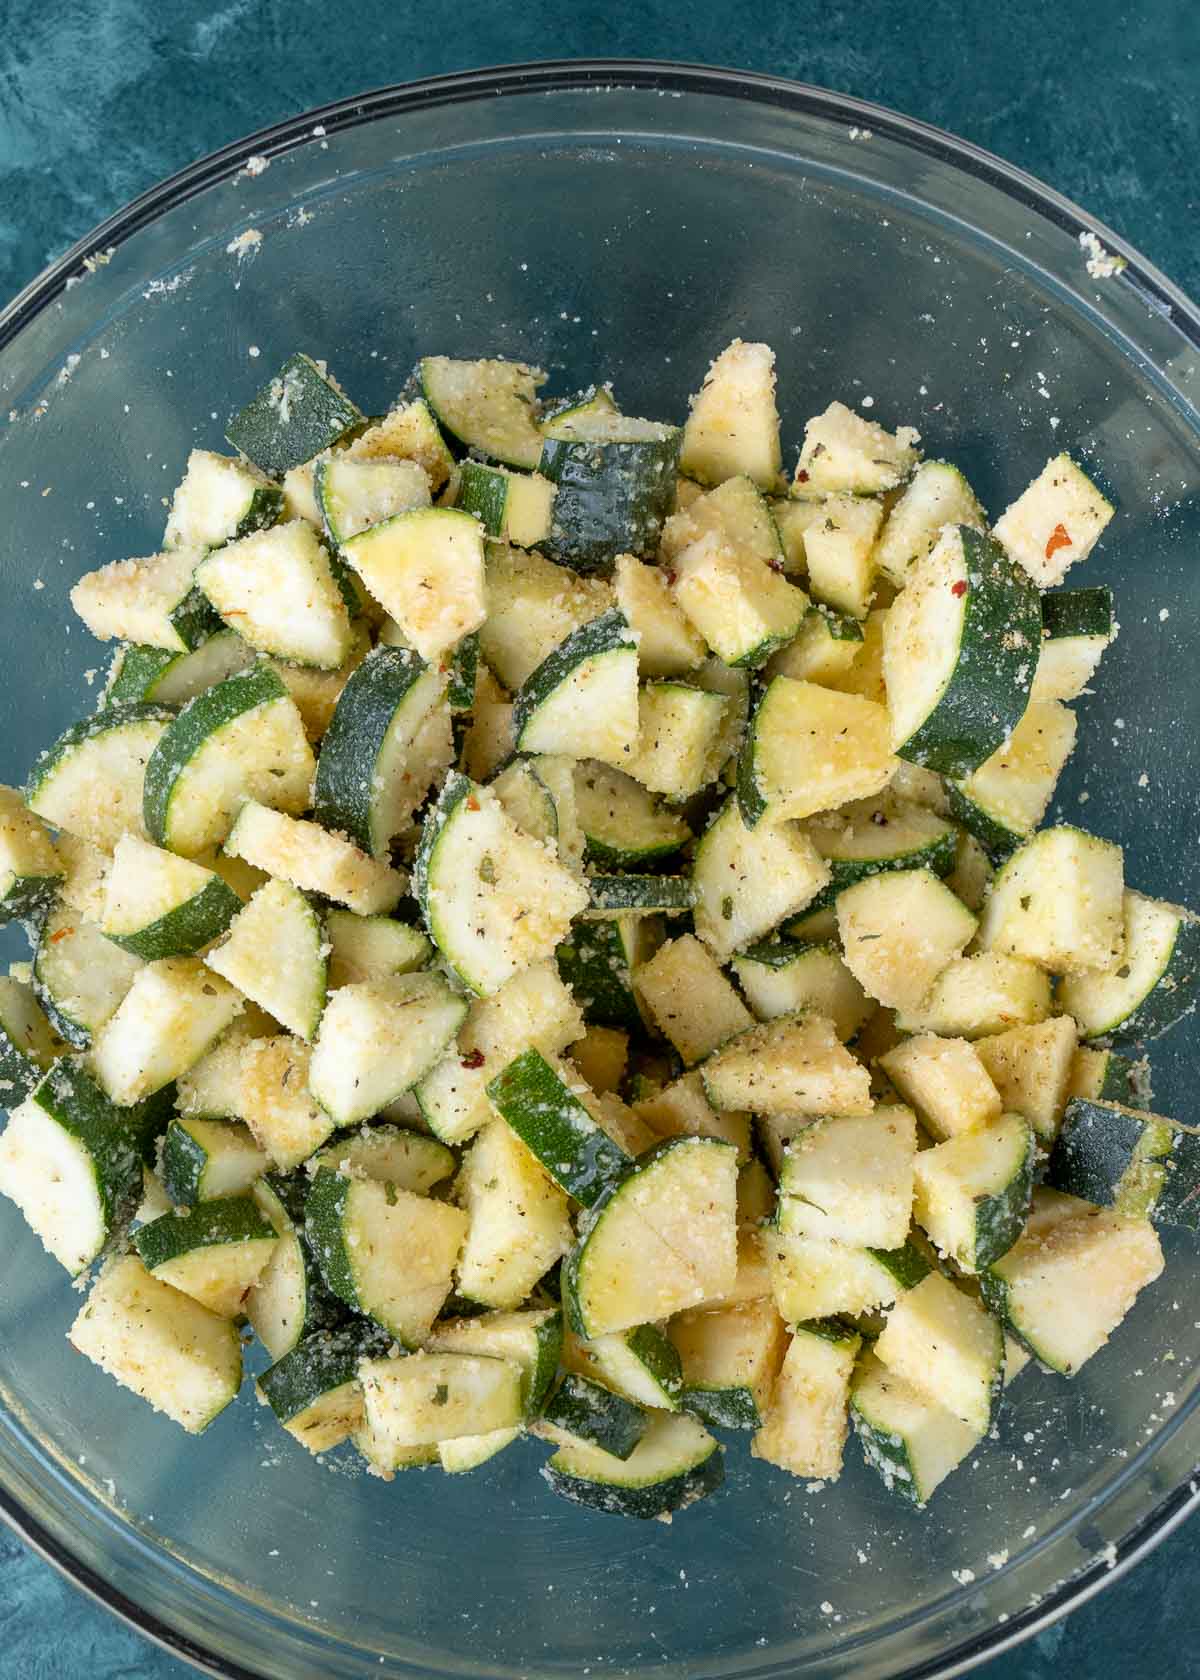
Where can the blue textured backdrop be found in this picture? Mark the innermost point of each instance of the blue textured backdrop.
(100, 98)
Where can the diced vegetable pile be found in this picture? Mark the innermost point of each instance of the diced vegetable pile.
(550, 926)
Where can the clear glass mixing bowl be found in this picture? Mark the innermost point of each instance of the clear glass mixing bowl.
(614, 220)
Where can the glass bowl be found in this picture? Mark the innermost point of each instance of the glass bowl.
(624, 221)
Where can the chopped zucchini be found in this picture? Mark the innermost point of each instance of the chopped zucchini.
(218, 500)
(795, 1064)
(1055, 522)
(204, 1159)
(899, 930)
(913, 1442)
(1141, 1164)
(159, 905)
(814, 1277)
(804, 1430)
(936, 495)
(691, 1001)
(944, 1343)
(1058, 902)
(839, 551)
(668, 643)
(314, 860)
(152, 601)
(730, 1358)
(582, 1410)
(675, 1463)
(1077, 626)
(1031, 1068)
(215, 1253)
(273, 1098)
(425, 569)
(1152, 985)
(850, 1180)
(615, 479)
(623, 824)
(513, 507)
(532, 606)
(808, 749)
(377, 1039)
(748, 880)
(313, 1388)
(298, 414)
(582, 699)
(277, 589)
(30, 868)
(681, 729)
(171, 1014)
(843, 451)
(733, 426)
(79, 977)
(972, 1192)
(785, 976)
(90, 781)
(946, 1081)
(976, 996)
(519, 1222)
(1005, 799)
(486, 405)
(371, 947)
(552, 1121)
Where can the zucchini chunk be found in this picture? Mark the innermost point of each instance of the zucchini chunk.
(912, 1442)
(171, 1014)
(494, 900)
(205, 1159)
(314, 1390)
(675, 1463)
(795, 1064)
(808, 749)
(786, 976)
(582, 1410)
(1055, 522)
(844, 451)
(1065, 1286)
(850, 1180)
(30, 868)
(668, 644)
(242, 739)
(899, 930)
(943, 1342)
(79, 977)
(681, 1109)
(641, 1364)
(219, 500)
(298, 414)
(1031, 1068)
(90, 781)
(742, 607)
(425, 568)
(977, 996)
(748, 880)
(1059, 902)
(1151, 986)
(824, 650)
(1140, 1164)
(486, 405)
(531, 1339)
(145, 673)
(638, 895)
(182, 1359)
(972, 1192)
(959, 651)
(314, 860)
(733, 426)
(681, 733)
(623, 825)
(28, 1042)
(211, 1090)
(532, 606)
(690, 999)
(549, 1118)
(582, 700)
(153, 601)
(215, 1253)
(805, 1427)
(737, 512)
(598, 960)
(273, 1098)
(1103, 1076)
(407, 432)
(354, 494)
(275, 954)
(391, 1155)
(839, 551)
(290, 1302)
(935, 496)
(159, 905)
(870, 836)
(432, 1397)
(384, 1251)
(1077, 626)
(377, 1039)
(277, 589)
(519, 1220)
(946, 1081)
(372, 947)
(512, 507)
(1003, 801)
(615, 482)
(730, 1358)
(814, 1277)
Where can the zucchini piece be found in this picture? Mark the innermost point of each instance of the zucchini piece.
(623, 824)
(812, 1277)
(276, 955)
(675, 1463)
(316, 693)
(519, 1219)
(839, 551)
(1102, 1076)
(532, 606)
(899, 930)
(808, 749)
(976, 996)
(1140, 1164)
(785, 976)
(407, 432)
(79, 976)
(601, 1057)
(90, 781)
(935, 496)
(527, 800)
(290, 1302)
(391, 1155)
(668, 645)
(28, 1043)
(682, 731)
(1055, 522)
(219, 500)
(972, 1192)
(550, 1120)
(598, 960)
(871, 836)
(946, 1081)
(531, 1340)
(211, 1090)
(1031, 1068)
(1059, 902)
(676, 1211)
(1066, 1285)
(581, 1410)
(278, 590)
(215, 1253)
(850, 1180)
(513, 507)
(314, 860)
(1003, 801)
(748, 880)
(72, 1162)
(615, 479)
(1151, 986)
(824, 650)
(1077, 626)
(742, 606)
(795, 1064)
(204, 1159)
(844, 451)
(638, 895)
(911, 1441)
(737, 512)
(171, 1014)
(733, 427)
(377, 1039)
(583, 699)
(464, 674)
(30, 868)
(494, 901)
(681, 1109)
(388, 738)
(160, 1344)
(943, 1342)
(145, 673)
(959, 652)
(804, 1430)
(730, 1358)
(354, 494)
(372, 947)
(298, 414)
(485, 405)
(152, 600)
(314, 1390)
(432, 1397)
(690, 1000)
(425, 568)
(242, 739)
(533, 1009)
(384, 1251)
(159, 905)
(274, 1100)
(971, 877)
(641, 1365)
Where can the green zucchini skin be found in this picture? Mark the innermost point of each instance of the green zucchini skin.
(1140, 1164)
(278, 435)
(231, 1219)
(321, 1362)
(596, 1415)
(324, 1207)
(19, 1073)
(989, 689)
(119, 1140)
(1077, 612)
(906, 1264)
(195, 619)
(721, 1408)
(997, 841)
(186, 929)
(613, 498)
(464, 674)
(555, 1125)
(606, 634)
(616, 894)
(594, 962)
(342, 789)
(655, 1500)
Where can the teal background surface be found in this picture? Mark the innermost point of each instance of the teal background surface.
(101, 98)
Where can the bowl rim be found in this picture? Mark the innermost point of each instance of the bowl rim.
(1160, 294)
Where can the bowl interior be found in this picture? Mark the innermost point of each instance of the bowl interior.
(629, 232)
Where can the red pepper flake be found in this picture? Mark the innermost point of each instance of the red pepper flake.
(959, 589)
(672, 576)
(63, 933)
(801, 476)
(472, 802)
(473, 1059)
(1060, 537)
